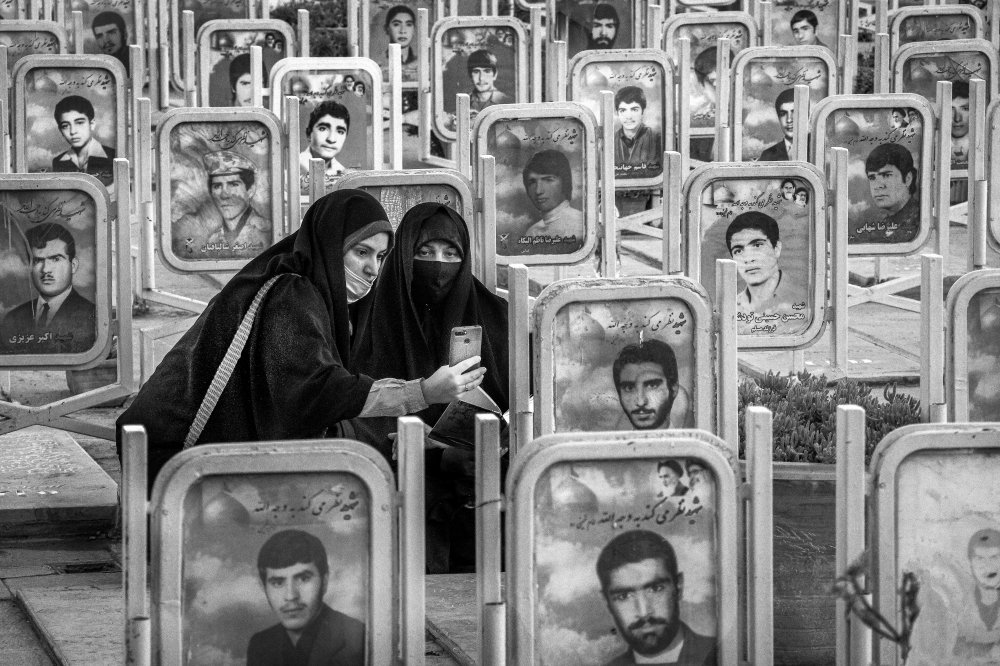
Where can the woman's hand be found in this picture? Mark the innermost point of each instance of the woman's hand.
(447, 383)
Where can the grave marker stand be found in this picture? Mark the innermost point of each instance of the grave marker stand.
(933, 406)
(411, 544)
(135, 511)
(853, 638)
(519, 359)
(760, 535)
(489, 502)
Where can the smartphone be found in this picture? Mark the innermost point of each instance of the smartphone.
(466, 342)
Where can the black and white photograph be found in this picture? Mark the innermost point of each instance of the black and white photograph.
(394, 22)
(225, 58)
(109, 27)
(21, 38)
(587, 25)
(983, 355)
(796, 23)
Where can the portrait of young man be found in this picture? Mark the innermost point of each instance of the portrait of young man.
(753, 242)
(645, 377)
(603, 27)
(327, 131)
(548, 182)
(636, 144)
(892, 181)
(111, 36)
(784, 107)
(642, 588)
(960, 124)
(482, 68)
(978, 626)
(803, 25)
(240, 81)
(295, 573)
(58, 310)
(74, 116)
(231, 186)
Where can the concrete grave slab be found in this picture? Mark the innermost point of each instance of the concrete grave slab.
(64, 618)
(49, 485)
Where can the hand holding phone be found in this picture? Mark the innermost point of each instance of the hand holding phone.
(466, 342)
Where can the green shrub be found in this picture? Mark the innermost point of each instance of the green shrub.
(805, 413)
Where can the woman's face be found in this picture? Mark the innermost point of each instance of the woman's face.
(438, 250)
(400, 29)
(365, 257)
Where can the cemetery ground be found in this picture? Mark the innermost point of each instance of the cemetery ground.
(60, 568)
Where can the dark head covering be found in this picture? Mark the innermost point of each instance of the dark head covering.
(401, 335)
(293, 379)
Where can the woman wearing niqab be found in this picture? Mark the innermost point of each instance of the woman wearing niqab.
(294, 378)
(426, 289)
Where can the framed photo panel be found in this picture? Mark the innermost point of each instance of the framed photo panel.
(974, 347)
(993, 174)
(29, 37)
(934, 24)
(256, 542)
(588, 25)
(204, 11)
(220, 187)
(109, 27)
(546, 180)
(395, 22)
(797, 23)
(642, 82)
(771, 220)
(704, 30)
(69, 115)
(764, 101)
(55, 281)
(340, 112)
(623, 354)
(399, 191)
(484, 57)
(604, 522)
(224, 57)
(889, 140)
(937, 518)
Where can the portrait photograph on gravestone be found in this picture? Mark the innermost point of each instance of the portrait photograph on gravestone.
(918, 71)
(48, 272)
(888, 189)
(71, 121)
(337, 119)
(587, 25)
(218, 200)
(625, 561)
(275, 565)
(225, 58)
(395, 22)
(641, 118)
(109, 27)
(797, 23)
(26, 38)
(541, 181)
(482, 62)
(767, 95)
(983, 354)
(948, 536)
(623, 365)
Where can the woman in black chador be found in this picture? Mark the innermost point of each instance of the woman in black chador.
(426, 289)
(294, 377)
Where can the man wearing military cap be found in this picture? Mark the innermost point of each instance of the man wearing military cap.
(232, 183)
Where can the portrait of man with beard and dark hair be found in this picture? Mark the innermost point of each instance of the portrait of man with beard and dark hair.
(603, 27)
(645, 377)
(979, 628)
(642, 588)
(111, 36)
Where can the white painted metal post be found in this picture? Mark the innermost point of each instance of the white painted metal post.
(853, 638)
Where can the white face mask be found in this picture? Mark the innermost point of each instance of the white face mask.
(357, 286)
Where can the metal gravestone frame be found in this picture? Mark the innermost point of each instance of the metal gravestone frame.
(546, 208)
(68, 215)
(339, 98)
(764, 79)
(224, 57)
(220, 187)
(170, 16)
(592, 333)
(809, 24)
(110, 28)
(973, 347)
(399, 191)
(642, 80)
(771, 220)
(596, 25)
(56, 98)
(388, 22)
(934, 510)
(939, 23)
(885, 135)
(475, 48)
(581, 504)
(993, 176)
(919, 66)
(704, 30)
(30, 37)
(248, 503)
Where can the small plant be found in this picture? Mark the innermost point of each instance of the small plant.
(848, 587)
(804, 409)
